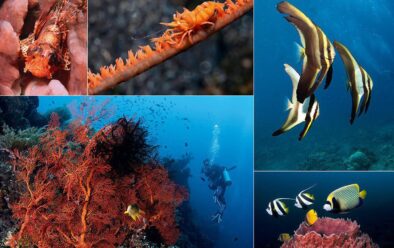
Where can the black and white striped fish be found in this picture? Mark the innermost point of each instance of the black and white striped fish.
(277, 207)
(304, 199)
(317, 50)
(359, 82)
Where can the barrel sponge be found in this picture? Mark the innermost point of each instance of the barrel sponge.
(329, 232)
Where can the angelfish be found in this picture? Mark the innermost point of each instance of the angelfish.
(317, 51)
(359, 82)
(299, 112)
(345, 199)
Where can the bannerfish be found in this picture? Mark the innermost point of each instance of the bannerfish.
(277, 207)
(134, 212)
(345, 198)
(359, 82)
(299, 112)
(311, 217)
(304, 199)
(283, 237)
(317, 51)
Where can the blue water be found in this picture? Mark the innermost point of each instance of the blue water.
(182, 125)
(375, 216)
(365, 27)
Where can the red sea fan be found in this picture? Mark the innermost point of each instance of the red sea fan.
(329, 232)
(160, 197)
(69, 198)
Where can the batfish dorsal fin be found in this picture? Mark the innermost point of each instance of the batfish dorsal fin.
(295, 77)
(311, 116)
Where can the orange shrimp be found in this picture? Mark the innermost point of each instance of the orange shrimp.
(186, 23)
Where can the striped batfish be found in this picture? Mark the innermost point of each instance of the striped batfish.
(359, 82)
(345, 198)
(299, 112)
(317, 51)
(277, 207)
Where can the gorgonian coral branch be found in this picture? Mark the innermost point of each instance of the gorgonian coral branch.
(187, 29)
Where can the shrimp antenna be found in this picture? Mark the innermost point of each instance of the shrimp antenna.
(147, 36)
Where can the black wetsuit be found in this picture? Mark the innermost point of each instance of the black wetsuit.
(214, 174)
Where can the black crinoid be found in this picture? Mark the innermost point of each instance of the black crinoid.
(124, 145)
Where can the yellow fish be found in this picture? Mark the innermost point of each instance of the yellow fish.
(311, 217)
(134, 212)
(283, 237)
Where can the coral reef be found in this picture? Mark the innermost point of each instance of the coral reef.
(23, 25)
(191, 235)
(20, 113)
(329, 232)
(20, 139)
(375, 142)
(223, 61)
(360, 160)
(70, 195)
(178, 169)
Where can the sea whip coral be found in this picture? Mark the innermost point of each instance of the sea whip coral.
(168, 45)
(70, 198)
(329, 232)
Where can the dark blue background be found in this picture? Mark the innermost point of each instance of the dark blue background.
(375, 216)
(366, 28)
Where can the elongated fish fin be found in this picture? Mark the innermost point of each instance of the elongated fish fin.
(278, 132)
(370, 86)
(349, 62)
(295, 78)
(363, 194)
(355, 104)
(289, 105)
(311, 115)
(300, 52)
(306, 82)
(366, 92)
(329, 77)
(280, 199)
(308, 188)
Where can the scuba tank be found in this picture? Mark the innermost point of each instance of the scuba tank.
(226, 177)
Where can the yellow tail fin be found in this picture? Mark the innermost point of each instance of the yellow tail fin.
(363, 194)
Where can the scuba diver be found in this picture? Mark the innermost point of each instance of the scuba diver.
(218, 178)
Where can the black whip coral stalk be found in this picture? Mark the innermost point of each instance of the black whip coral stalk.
(186, 30)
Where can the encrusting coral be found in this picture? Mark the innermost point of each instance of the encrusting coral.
(329, 232)
(72, 194)
(186, 30)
